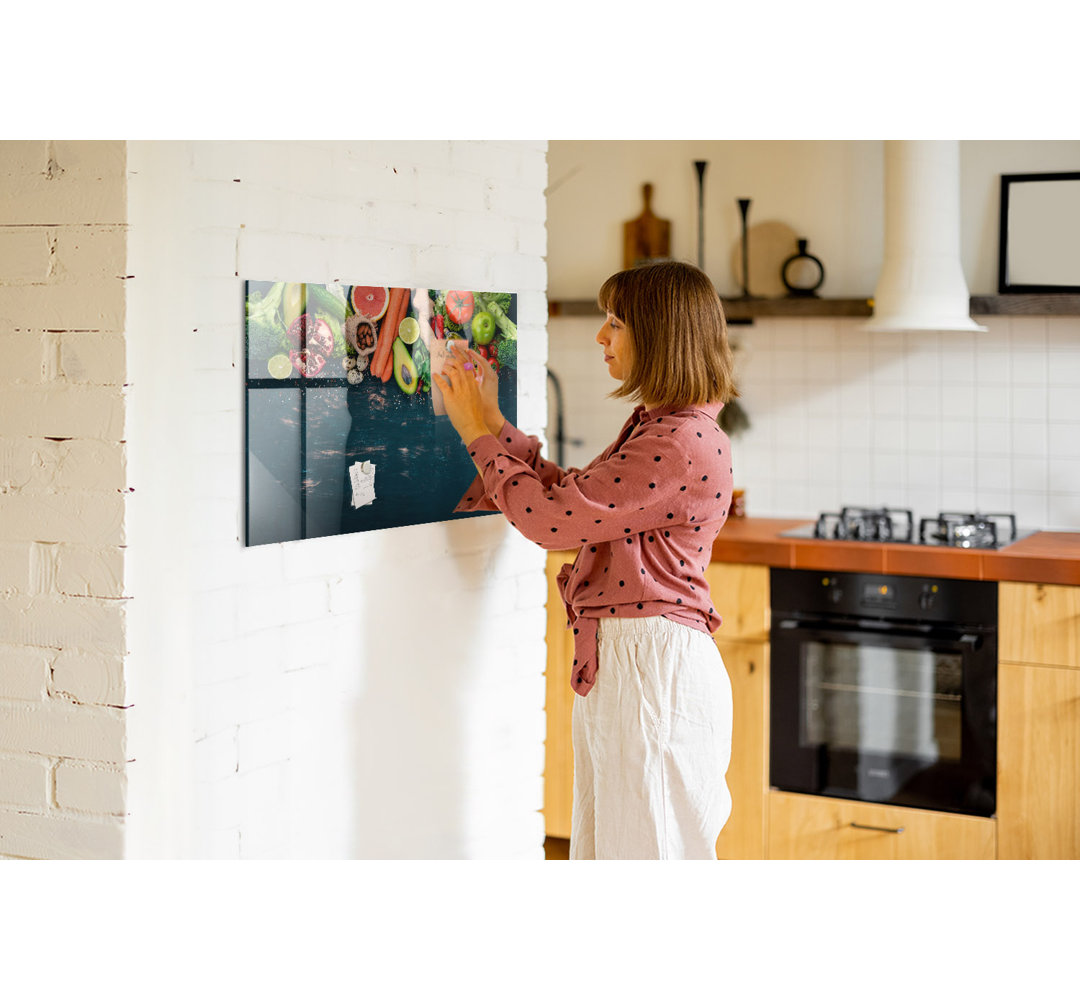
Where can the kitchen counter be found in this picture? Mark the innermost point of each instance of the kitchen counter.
(1043, 557)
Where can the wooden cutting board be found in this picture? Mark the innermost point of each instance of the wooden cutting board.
(647, 237)
(770, 244)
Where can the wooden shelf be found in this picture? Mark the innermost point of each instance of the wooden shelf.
(738, 310)
(746, 310)
(743, 309)
(1060, 304)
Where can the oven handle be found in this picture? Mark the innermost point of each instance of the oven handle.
(826, 629)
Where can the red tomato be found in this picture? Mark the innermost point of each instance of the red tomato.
(459, 306)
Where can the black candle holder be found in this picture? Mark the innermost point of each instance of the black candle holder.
(744, 208)
(796, 285)
(700, 166)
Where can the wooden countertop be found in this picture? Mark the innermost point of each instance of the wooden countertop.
(1044, 557)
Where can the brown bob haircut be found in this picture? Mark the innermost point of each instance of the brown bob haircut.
(678, 334)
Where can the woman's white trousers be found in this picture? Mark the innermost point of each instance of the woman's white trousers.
(652, 741)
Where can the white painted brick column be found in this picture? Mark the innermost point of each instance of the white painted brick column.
(62, 499)
(371, 695)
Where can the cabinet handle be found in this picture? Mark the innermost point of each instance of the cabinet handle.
(879, 829)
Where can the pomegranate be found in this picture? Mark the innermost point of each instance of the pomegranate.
(307, 363)
(313, 332)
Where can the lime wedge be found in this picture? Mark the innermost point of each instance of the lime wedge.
(409, 330)
(280, 366)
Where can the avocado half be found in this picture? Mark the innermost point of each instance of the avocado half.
(405, 373)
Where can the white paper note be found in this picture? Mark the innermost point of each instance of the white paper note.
(362, 475)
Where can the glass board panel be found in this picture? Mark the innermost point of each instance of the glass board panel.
(345, 428)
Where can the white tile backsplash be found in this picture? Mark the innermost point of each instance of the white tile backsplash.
(1028, 402)
(957, 402)
(1030, 474)
(932, 421)
(992, 363)
(1063, 402)
(1064, 440)
(1027, 366)
(958, 438)
(923, 401)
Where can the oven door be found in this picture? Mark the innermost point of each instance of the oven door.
(884, 713)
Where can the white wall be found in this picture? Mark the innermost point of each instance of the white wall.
(62, 499)
(375, 695)
(931, 421)
(831, 192)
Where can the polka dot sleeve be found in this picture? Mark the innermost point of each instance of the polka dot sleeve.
(526, 449)
(646, 483)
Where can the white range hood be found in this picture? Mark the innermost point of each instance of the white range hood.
(922, 286)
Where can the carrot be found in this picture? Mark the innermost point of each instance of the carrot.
(385, 337)
(388, 364)
(381, 364)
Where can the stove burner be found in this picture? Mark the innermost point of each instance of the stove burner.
(873, 524)
(968, 531)
(889, 524)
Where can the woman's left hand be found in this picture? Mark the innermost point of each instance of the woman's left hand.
(462, 396)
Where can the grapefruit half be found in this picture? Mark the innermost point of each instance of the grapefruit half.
(369, 301)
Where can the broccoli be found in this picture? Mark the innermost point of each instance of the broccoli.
(263, 312)
(507, 353)
(502, 298)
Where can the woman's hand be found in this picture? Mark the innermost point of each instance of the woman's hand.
(489, 392)
(466, 400)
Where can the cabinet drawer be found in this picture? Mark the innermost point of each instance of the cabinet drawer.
(1039, 623)
(811, 827)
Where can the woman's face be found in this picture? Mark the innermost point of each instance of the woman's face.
(618, 351)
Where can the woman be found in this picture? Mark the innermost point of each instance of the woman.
(652, 728)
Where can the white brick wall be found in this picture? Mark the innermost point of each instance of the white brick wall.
(369, 695)
(365, 696)
(62, 495)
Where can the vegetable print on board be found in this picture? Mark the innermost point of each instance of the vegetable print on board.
(346, 431)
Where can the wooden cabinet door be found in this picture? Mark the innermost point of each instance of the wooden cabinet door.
(1039, 623)
(559, 704)
(743, 836)
(815, 828)
(1038, 792)
(740, 595)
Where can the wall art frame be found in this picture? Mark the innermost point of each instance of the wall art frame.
(1038, 248)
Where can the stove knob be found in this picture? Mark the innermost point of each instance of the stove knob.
(928, 596)
(835, 594)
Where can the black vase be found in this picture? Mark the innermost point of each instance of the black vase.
(802, 273)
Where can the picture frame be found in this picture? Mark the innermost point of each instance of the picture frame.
(1039, 224)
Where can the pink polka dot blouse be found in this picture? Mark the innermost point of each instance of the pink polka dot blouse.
(644, 516)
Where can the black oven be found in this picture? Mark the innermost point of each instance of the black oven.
(884, 689)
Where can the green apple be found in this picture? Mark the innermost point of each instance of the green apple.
(483, 328)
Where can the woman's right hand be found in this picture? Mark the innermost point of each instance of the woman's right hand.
(489, 387)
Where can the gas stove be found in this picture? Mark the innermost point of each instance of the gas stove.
(897, 525)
